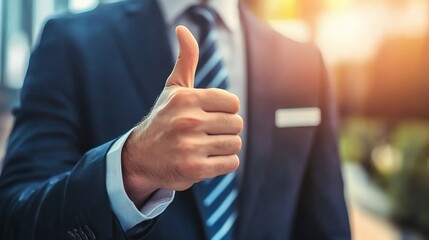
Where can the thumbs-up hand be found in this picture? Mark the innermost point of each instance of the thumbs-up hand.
(190, 134)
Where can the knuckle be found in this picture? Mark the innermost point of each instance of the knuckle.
(231, 145)
(186, 147)
(230, 164)
(184, 97)
(221, 145)
(226, 119)
(235, 103)
(181, 123)
(191, 170)
(237, 143)
(239, 123)
(212, 92)
(234, 162)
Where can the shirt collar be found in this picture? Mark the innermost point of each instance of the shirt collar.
(227, 10)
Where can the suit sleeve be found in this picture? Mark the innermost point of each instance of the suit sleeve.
(322, 212)
(51, 186)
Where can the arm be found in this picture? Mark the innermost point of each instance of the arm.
(125, 210)
(49, 191)
(49, 187)
(322, 212)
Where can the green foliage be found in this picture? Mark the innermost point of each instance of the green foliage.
(407, 186)
(409, 189)
(357, 138)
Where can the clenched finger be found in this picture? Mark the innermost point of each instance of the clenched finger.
(223, 124)
(218, 100)
(222, 145)
(221, 165)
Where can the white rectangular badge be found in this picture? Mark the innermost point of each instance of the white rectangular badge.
(298, 117)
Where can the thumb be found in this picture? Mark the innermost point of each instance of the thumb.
(184, 71)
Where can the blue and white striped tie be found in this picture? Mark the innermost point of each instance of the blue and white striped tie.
(216, 197)
(211, 72)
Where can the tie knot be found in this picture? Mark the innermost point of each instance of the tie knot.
(203, 15)
(211, 72)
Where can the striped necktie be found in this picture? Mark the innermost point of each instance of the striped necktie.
(216, 197)
(211, 72)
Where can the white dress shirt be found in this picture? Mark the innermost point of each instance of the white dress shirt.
(231, 46)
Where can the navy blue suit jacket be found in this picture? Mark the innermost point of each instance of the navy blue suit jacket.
(93, 76)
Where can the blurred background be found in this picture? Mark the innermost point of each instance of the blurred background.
(377, 53)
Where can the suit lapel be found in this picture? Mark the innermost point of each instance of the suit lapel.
(260, 115)
(145, 47)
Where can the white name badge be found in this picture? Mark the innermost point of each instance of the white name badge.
(298, 117)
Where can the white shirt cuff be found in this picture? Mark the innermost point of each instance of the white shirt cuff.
(124, 209)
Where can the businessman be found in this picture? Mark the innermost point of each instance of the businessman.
(82, 164)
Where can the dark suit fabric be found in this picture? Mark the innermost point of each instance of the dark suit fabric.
(93, 76)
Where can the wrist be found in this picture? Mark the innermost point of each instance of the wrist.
(138, 187)
(138, 190)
